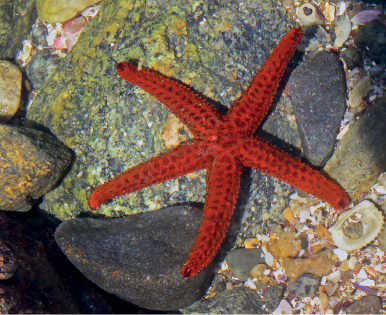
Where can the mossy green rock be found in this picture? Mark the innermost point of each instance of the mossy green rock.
(112, 125)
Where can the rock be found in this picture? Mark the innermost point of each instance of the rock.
(319, 264)
(304, 286)
(371, 40)
(10, 90)
(273, 295)
(315, 36)
(138, 257)
(318, 92)
(352, 57)
(32, 163)
(370, 304)
(360, 157)
(112, 125)
(16, 19)
(376, 71)
(241, 261)
(61, 10)
(239, 300)
(8, 264)
(36, 287)
(286, 246)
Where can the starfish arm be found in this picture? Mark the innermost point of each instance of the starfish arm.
(251, 107)
(266, 158)
(188, 157)
(197, 114)
(223, 183)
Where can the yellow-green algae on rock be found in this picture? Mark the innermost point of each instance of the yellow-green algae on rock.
(112, 125)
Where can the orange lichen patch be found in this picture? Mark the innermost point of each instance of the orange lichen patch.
(319, 264)
(251, 243)
(174, 132)
(115, 272)
(288, 215)
(323, 233)
(285, 246)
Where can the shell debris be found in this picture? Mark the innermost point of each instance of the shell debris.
(372, 222)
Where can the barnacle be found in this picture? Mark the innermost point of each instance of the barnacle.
(372, 223)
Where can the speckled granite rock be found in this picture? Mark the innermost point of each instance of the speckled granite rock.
(273, 295)
(61, 10)
(112, 125)
(242, 260)
(370, 39)
(31, 162)
(318, 92)
(139, 257)
(16, 19)
(361, 155)
(370, 304)
(239, 300)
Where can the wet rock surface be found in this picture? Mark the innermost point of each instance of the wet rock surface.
(361, 156)
(318, 92)
(29, 282)
(236, 301)
(370, 304)
(16, 19)
(352, 57)
(115, 125)
(242, 260)
(273, 295)
(61, 10)
(139, 257)
(32, 163)
(304, 286)
(371, 40)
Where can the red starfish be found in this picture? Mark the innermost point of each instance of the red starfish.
(223, 144)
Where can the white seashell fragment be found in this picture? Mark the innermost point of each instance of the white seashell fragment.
(367, 283)
(342, 30)
(329, 11)
(372, 223)
(306, 14)
(360, 90)
(365, 16)
(283, 308)
(342, 254)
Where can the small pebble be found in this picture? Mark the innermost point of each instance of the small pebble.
(304, 286)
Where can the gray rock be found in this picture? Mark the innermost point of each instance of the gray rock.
(305, 285)
(376, 71)
(318, 92)
(273, 295)
(242, 260)
(371, 40)
(138, 257)
(360, 157)
(370, 304)
(32, 163)
(16, 19)
(352, 57)
(239, 300)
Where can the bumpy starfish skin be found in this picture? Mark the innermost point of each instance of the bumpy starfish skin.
(223, 144)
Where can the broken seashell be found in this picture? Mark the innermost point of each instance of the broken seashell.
(372, 223)
(365, 16)
(342, 30)
(307, 14)
(360, 90)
